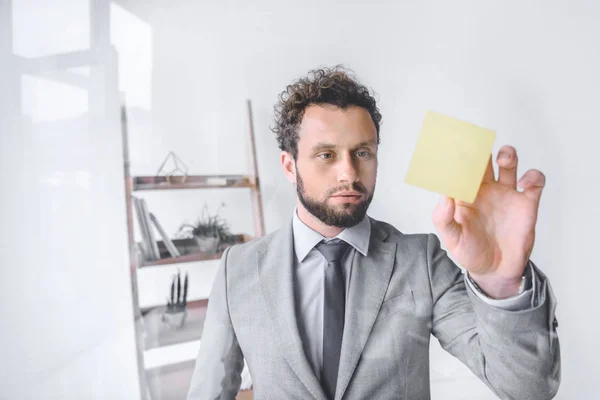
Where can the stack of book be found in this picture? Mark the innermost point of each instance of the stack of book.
(146, 220)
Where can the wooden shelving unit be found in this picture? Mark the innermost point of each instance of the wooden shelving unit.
(152, 335)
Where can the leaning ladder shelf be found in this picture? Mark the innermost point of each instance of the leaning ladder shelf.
(149, 335)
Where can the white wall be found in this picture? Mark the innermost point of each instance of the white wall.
(529, 70)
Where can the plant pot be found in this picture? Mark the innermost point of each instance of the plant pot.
(175, 318)
(208, 244)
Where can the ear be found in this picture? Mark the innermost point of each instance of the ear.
(288, 164)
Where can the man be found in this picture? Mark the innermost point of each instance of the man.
(337, 305)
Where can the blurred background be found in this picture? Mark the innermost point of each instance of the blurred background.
(88, 84)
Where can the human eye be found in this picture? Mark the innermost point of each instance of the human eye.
(325, 156)
(363, 153)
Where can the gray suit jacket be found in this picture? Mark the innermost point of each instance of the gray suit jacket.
(405, 290)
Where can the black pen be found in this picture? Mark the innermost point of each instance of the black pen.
(185, 289)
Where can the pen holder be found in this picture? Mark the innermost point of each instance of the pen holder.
(174, 317)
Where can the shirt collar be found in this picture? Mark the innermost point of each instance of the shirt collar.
(305, 238)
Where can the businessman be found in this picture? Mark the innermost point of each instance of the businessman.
(337, 305)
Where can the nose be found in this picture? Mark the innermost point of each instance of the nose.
(347, 170)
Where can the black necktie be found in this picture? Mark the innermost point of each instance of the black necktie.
(333, 313)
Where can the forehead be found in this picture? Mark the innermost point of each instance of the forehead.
(335, 125)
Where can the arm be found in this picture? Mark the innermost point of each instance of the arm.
(516, 353)
(217, 374)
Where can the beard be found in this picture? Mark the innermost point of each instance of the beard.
(348, 216)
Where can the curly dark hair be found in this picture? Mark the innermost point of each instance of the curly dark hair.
(334, 86)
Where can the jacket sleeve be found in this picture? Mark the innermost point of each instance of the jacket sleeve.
(217, 373)
(515, 353)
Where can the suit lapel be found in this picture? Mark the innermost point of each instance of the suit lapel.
(368, 284)
(275, 268)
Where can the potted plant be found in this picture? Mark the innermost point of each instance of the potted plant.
(175, 314)
(209, 231)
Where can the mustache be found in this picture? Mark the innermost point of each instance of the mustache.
(356, 186)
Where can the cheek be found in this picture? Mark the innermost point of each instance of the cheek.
(315, 182)
(368, 174)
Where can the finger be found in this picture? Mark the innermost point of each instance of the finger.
(489, 171)
(443, 219)
(533, 183)
(507, 166)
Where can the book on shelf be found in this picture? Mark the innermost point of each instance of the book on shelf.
(148, 244)
(214, 180)
(145, 243)
(166, 240)
(153, 245)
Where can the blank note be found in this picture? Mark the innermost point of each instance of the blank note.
(450, 157)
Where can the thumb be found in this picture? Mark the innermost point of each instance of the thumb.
(443, 219)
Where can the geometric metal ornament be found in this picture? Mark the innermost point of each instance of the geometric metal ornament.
(173, 169)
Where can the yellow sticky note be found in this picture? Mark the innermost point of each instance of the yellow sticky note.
(450, 157)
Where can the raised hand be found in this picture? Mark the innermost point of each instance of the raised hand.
(494, 237)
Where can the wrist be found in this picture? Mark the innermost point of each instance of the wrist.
(497, 287)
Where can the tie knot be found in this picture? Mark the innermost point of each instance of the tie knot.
(333, 251)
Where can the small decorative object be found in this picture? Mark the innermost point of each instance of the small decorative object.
(209, 231)
(176, 312)
(173, 169)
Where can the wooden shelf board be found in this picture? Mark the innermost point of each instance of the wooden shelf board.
(184, 259)
(179, 182)
(172, 382)
(189, 252)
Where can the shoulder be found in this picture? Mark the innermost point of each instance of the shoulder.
(389, 233)
(243, 251)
